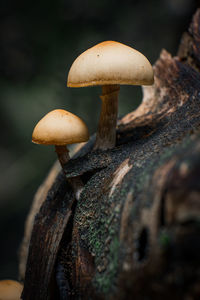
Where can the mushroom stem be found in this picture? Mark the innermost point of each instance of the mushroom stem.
(106, 134)
(63, 154)
(75, 182)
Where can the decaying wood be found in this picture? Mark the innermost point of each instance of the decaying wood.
(39, 198)
(134, 234)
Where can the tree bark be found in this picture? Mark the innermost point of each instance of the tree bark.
(134, 233)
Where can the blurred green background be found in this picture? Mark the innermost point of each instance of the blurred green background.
(39, 40)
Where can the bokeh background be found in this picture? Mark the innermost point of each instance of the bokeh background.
(39, 40)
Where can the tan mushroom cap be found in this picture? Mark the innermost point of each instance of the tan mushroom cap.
(60, 127)
(10, 290)
(110, 63)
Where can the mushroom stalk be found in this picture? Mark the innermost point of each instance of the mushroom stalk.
(75, 182)
(106, 134)
(63, 154)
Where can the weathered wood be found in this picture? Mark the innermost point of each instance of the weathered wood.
(135, 231)
(50, 213)
(46, 236)
(39, 198)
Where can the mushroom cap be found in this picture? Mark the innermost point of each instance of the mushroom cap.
(10, 290)
(110, 63)
(60, 127)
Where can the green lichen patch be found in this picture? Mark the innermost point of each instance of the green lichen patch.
(104, 280)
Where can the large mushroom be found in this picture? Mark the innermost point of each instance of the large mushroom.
(109, 64)
(61, 128)
(10, 290)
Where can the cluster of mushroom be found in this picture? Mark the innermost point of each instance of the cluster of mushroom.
(108, 64)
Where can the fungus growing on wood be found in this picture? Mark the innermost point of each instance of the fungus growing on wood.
(10, 290)
(109, 64)
(61, 128)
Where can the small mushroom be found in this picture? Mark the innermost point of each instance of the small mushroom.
(10, 290)
(61, 128)
(109, 64)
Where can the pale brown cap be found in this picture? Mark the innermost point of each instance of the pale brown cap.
(10, 290)
(110, 63)
(60, 127)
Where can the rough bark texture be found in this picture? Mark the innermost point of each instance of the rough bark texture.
(135, 232)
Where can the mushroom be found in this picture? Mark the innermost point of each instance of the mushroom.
(109, 64)
(10, 290)
(61, 128)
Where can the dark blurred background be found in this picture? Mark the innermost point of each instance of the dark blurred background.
(39, 40)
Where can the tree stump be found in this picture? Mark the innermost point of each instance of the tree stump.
(135, 232)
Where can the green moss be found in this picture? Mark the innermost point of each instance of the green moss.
(164, 239)
(95, 240)
(104, 281)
